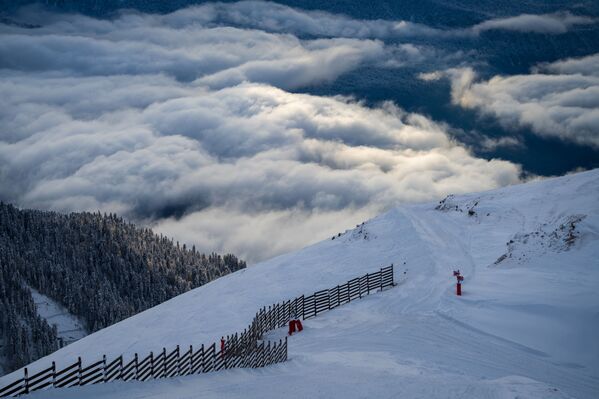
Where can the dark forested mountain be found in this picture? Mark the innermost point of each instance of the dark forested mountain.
(100, 267)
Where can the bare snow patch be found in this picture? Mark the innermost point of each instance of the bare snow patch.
(69, 327)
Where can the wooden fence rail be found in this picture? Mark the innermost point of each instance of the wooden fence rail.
(246, 349)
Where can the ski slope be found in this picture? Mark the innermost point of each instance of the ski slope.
(526, 326)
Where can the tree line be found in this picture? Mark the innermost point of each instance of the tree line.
(100, 267)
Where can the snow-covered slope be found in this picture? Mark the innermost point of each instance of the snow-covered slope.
(69, 327)
(526, 326)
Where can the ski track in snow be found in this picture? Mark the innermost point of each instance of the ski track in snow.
(520, 330)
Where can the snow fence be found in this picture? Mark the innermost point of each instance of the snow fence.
(245, 349)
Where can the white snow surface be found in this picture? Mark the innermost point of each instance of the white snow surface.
(69, 327)
(526, 326)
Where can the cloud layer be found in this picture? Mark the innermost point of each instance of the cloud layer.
(559, 99)
(187, 126)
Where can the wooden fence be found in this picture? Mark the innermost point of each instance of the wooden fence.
(306, 307)
(246, 349)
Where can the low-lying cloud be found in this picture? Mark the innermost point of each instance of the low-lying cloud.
(188, 127)
(546, 23)
(274, 17)
(559, 99)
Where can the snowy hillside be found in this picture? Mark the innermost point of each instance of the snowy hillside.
(526, 326)
(69, 327)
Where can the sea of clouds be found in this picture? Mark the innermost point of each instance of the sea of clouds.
(187, 121)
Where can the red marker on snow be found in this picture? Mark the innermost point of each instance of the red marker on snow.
(459, 279)
(294, 324)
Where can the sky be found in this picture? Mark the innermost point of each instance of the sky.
(220, 124)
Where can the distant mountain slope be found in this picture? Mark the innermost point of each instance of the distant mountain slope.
(525, 327)
(99, 267)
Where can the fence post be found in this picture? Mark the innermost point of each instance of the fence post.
(243, 341)
(121, 367)
(261, 357)
(232, 352)
(136, 367)
(381, 272)
(264, 320)
(278, 352)
(164, 361)
(203, 359)
(269, 318)
(256, 325)
(225, 351)
(152, 364)
(53, 374)
(79, 372)
(26, 379)
(284, 312)
(360, 287)
(264, 325)
(214, 356)
(259, 323)
(104, 368)
(338, 296)
(348, 297)
(368, 283)
(178, 362)
(255, 359)
(190, 359)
